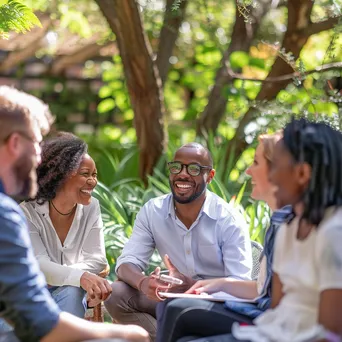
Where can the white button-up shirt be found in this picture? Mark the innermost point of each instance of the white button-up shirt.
(83, 249)
(216, 245)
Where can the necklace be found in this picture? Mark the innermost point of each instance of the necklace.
(62, 213)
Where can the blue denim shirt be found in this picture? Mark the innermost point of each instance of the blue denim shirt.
(283, 215)
(24, 298)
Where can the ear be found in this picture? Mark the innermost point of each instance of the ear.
(14, 147)
(304, 174)
(211, 175)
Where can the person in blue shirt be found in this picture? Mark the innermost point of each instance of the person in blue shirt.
(25, 302)
(196, 317)
(199, 235)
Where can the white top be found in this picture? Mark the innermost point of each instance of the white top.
(305, 268)
(216, 245)
(83, 248)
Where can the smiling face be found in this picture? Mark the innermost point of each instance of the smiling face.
(290, 178)
(262, 189)
(186, 188)
(80, 185)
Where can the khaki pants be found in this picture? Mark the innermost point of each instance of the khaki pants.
(127, 305)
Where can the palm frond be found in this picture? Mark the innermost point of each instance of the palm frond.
(16, 17)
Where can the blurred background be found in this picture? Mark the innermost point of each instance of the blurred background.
(138, 78)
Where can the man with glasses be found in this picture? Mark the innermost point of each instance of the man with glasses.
(25, 302)
(197, 233)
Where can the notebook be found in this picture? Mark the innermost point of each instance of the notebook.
(215, 297)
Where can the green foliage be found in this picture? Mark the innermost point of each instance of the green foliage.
(14, 16)
(121, 194)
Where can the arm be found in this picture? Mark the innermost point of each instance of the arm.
(73, 329)
(55, 274)
(135, 257)
(246, 289)
(236, 249)
(329, 261)
(23, 293)
(93, 254)
(277, 290)
(141, 244)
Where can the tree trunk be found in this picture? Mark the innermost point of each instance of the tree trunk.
(142, 77)
(299, 29)
(241, 39)
(168, 36)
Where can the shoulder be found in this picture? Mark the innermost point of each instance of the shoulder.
(9, 209)
(12, 221)
(329, 232)
(160, 203)
(218, 209)
(93, 206)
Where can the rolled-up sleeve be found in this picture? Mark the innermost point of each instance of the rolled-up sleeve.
(24, 299)
(236, 248)
(139, 248)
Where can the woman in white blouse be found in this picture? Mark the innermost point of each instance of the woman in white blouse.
(66, 226)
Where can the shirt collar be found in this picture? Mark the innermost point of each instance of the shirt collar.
(208, 207)
(2, 189)
(283, 215)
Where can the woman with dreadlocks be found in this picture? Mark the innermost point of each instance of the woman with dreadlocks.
(307, 264)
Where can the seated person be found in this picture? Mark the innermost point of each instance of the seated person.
(307, 265)
(25, 302)
(205, 318)
(202, 236)
(65, 225)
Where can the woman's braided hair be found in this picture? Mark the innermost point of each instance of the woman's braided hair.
(319, 145)
(61, 156)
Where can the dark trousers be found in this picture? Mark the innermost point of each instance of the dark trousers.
(194, 317)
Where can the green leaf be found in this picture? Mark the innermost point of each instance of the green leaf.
(106, 106)
(257, 62)
(15, 16)
(239, 59)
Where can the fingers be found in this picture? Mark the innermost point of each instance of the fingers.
(194, 288)
(169, 265)
(156, 271)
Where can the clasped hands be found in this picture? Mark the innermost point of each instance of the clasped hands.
(98, 289)
(151, 285)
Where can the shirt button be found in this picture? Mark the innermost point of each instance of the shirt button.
(188, 251)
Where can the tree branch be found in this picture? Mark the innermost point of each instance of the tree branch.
(168, 36)
(320, 26)
(142, 78)
(321, 68)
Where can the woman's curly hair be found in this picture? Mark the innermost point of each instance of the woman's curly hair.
(61, 156)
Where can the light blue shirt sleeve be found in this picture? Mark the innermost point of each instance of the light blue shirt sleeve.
(140, 247)
(236, 248)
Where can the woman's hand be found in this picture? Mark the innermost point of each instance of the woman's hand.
(209, 286)
(95, 286)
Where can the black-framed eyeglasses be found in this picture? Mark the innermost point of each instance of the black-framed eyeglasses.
(192, 169)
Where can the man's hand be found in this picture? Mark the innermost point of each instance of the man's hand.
(173, 272)
(95, 286)
(151, 285)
